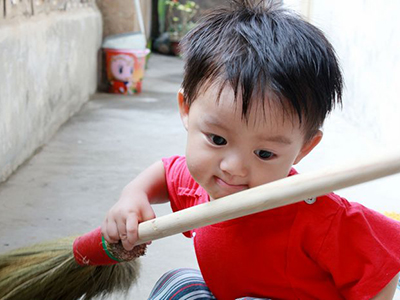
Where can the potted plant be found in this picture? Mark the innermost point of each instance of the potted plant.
(180, 19)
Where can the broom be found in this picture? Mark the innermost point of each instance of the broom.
(87, 266)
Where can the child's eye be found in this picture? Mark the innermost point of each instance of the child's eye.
(217, 140)
(264, 154)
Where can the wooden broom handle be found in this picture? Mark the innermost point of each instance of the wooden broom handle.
(278, 193)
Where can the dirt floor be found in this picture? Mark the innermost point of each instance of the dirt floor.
(68, 186)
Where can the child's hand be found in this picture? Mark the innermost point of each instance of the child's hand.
(134, 206)
(121, 222)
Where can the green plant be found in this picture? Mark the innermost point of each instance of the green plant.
(180, 17)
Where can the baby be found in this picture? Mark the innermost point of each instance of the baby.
(259, 82)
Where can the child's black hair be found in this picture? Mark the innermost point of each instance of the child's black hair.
(261, 48)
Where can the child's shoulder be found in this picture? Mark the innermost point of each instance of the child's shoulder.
(333, 211)
(332, 224)
(325, 205)
(178, 177)
(315, 216)
(332, 205)
(175, 166)
(174, 160)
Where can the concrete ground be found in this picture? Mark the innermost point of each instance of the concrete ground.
(68, 186)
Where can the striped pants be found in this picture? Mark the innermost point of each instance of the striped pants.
(183, 284)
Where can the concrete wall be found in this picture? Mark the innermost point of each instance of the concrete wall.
(365, 34)
(48, 70)
(120, 16)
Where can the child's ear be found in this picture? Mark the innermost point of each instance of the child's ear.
(183, 109)
(308, 146)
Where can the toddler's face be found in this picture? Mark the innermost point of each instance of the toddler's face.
(225, 154)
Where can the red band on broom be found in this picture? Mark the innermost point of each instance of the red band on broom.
(92, 249)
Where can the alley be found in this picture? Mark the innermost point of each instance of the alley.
(67, 187)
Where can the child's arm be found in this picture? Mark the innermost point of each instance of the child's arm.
(134, 206)
(388, 291)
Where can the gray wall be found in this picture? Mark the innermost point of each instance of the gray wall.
(120, 16)
(48, 66)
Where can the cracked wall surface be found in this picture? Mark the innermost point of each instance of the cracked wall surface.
(49, 69)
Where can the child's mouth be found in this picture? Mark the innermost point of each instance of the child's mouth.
(230, 188)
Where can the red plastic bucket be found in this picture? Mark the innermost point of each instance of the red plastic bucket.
(125, 70)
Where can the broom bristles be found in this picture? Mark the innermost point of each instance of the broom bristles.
(49, 271)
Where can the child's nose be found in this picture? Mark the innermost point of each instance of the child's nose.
(235, 165)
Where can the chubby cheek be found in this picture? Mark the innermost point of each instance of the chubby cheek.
(262, 173)
(199, 160)
(195, 169)
(267, 174)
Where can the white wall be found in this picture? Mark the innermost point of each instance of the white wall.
(48, 69)
(366, 36)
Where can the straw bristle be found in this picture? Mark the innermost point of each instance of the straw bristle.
(49, 271)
